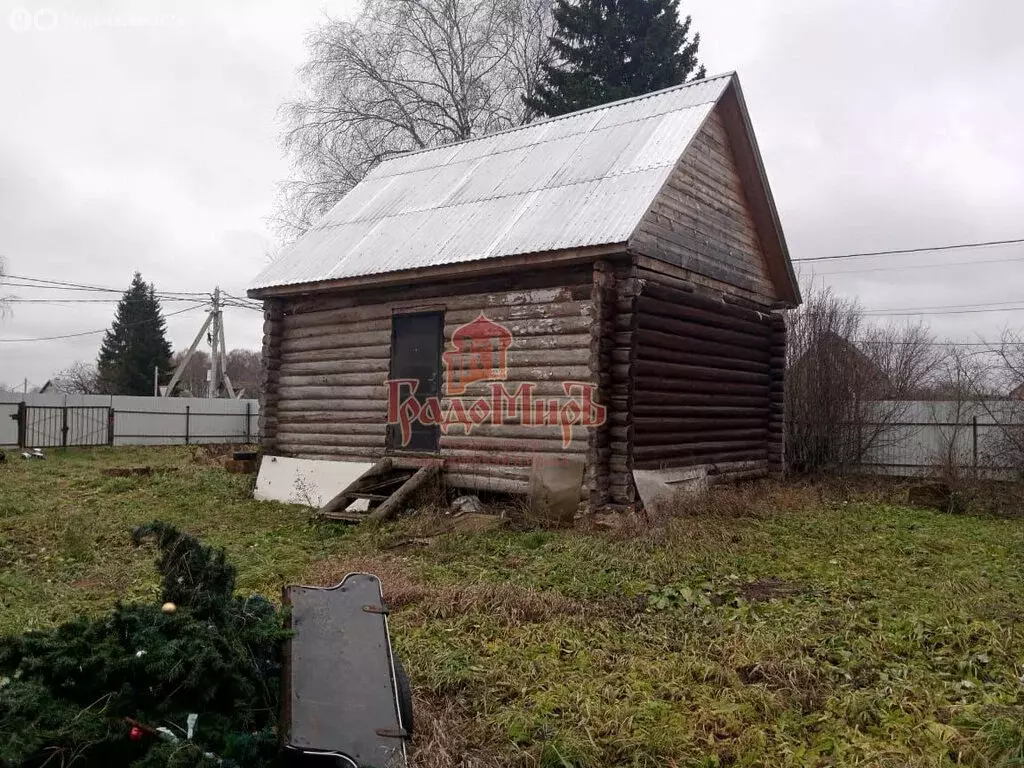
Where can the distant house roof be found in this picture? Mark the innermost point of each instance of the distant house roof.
(583, 179)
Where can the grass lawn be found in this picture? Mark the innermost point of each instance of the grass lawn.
(790, 630)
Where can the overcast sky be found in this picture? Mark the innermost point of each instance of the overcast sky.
(143, 136)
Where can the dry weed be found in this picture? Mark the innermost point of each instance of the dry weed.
(399, 585)
(449, 736)
(508, 603)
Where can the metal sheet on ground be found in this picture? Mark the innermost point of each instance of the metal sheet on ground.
(340, 689)
(306, 481)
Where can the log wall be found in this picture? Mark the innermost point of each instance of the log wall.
(328, 358)
(702, 221)
(701, 380)
(272, 316)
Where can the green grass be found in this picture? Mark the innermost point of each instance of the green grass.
(805, 635)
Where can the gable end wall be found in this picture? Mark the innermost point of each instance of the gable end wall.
(702, 221)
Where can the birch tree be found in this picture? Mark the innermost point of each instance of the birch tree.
(405, 75)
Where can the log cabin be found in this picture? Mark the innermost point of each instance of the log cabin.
(606, 285)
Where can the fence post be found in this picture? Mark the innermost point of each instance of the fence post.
(974, 445)
(64, 427)
(248, 422)
(188, 412)
(110, 425)
(22, 418)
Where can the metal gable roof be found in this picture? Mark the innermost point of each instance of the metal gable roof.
(583, 179)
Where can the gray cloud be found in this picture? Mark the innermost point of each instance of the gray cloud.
(154, 147)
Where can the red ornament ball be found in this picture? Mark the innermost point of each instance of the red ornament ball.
(135, 733)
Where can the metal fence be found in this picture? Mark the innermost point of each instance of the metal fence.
(55, 421)
(924, 437)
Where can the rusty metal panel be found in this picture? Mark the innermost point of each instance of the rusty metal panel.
(573, 181)
(340, 694)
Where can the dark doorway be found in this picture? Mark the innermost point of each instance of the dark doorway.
(416, 343)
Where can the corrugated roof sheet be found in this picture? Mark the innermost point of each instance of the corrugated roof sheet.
(583, 179)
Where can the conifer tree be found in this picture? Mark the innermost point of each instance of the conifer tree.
(135, 343)
(612, 49)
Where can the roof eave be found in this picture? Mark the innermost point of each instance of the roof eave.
(795, 298)
(470, 269)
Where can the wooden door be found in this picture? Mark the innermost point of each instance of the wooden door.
(416, 343)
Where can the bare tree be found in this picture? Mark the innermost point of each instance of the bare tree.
(408, 74)
(244, 368)
(193, 380)
(5, 306)
(1007, 378)
(848, 383)
(80, 379)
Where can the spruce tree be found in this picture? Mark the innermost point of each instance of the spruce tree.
(613, 49)
(135, 343)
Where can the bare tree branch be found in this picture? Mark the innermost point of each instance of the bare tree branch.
(408, 74)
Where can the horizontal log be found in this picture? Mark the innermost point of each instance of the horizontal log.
(485, 483)
(379, 405)
(667, 289)
(646, 304)
(336, 341)
(648, 425)
(649, 352)
(658, 368)
(696, 461)
(334, 367)
(292, 393)
(290, 437)
(334, 429)
(330, 419)
(656, 339)
(689, 329)
(311, 331)
(492, 445)
(659, 384)
(564, 326)
(367, 353)
(653, 398)
(738, 436)
(332, 379)
(303, 450)
(505, 290)
(457, 312)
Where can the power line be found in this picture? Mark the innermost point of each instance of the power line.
(16, 300)
(921, 266)
(899, 251)
(947, 306)
(101, 330)
(912, 312)
(65, 285)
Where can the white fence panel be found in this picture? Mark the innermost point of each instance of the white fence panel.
(922, 436)
(137, 420)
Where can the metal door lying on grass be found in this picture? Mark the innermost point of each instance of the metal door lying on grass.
(56, 426)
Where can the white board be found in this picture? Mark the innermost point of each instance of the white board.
(306, 481)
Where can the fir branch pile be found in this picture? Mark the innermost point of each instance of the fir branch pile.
(70, 695)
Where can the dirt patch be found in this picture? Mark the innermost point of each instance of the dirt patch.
(127, 471)
(797, 683)
(770, 589)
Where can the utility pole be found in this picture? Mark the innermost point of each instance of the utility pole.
(215, 364)
(213, 327)
(156, 381)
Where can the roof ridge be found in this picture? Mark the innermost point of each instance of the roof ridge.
(566, 116)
